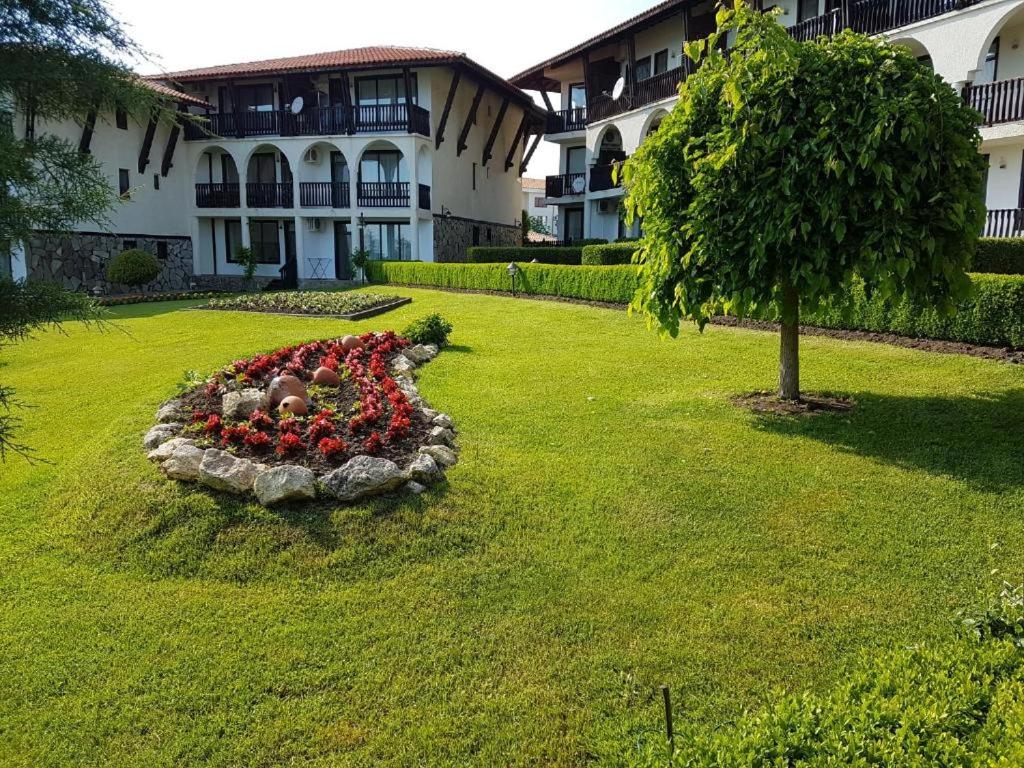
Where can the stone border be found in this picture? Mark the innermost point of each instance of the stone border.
(361, 477)
(363, 314)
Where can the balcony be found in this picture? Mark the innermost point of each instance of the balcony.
(602, 178)
(269, 195)
(872, 17)
(383, 194)
(1007, 222)
(998, 102)
(654, 89)
(324, 194)
(566, 185)
(567, 120)
(424, 198)
(218, 195)
(316, 121)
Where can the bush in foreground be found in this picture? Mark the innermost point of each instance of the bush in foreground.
(133, 268)
(1000, 256)
(959, 703)
(432, 329)
(609, 253)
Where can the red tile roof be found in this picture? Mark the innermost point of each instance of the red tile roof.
(534, 184)
(170, 93)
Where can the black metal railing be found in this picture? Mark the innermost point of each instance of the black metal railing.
(567, 120)
(424, 198)
(324, 194)
(1007, 222)
(998, 102)
(603, 177)
(383, 194)
(830, 23)
(262, 195)
(315, 121)
(566, 184)
(872, 17)
(218, 195)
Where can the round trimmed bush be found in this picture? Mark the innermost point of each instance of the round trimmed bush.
(133, 268)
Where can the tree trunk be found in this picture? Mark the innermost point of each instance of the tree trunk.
(789, 356)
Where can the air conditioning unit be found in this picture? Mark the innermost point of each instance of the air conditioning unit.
(313, 225)
(312, 156)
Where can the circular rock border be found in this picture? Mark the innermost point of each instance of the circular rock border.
(363, 476)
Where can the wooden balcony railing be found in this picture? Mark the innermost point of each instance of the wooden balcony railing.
(566, 184)
(1007, 222)
(810, 29)
(383, 194)
(567, 120)
(269, 195)
(663, 86)
(872, 17)
(602, 177)
(315, 121)
(998, 102)
(424, 198)
(371, 118)
(324, 194)
(217, 195)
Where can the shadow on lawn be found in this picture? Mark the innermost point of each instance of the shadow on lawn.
(979, 440)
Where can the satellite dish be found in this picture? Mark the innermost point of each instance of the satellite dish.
(298, 103)
(579, 185)
(619, 89)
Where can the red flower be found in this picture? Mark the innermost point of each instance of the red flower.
(289, 443)
(258, 441)
(214, 425)
(236, 434)
(373, 443)
(260, 420)
(332, 447)
(289, 426)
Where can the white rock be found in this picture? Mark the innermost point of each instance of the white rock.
(169, 412)
(415, 488)
(430, 413)
(442, 454)
(165, 451)
(223, 472)
(363, 476)
(184, 463)
(403, 364)
(285, 483)
(159, 435)
(443, 420)
(424, 469)
(441, 436)
(432, 350)
(419, 354)
(239, 406)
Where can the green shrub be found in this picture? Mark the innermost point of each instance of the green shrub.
(615, 285)
(610, 253)
(543, 254)
(133, 268)
(432, 329)
(960, 702)
(1000, 256)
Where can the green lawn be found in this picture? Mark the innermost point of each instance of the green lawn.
(614, 523)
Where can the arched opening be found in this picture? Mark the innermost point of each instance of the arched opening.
(425, 177)
(610, 147)
(324, 177)
(383, 177)
(996, 58)
(917, 50)
(654, 123)
(216, 179)
(268, 178)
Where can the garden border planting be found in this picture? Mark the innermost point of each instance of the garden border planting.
(310, 304)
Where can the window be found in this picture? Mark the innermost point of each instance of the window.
(124, 181)
(265, 168)
(643, 69)
(266, 245)
(232, 239)
(156, 181)
(540, 202)
(390, 89)
(489, 236)
(577, 96)
(129, 245)
(121, 118)
(382, 166)
(576, 160)
(161, 250)
(661, 62)
(388, 241)
(992, 62)
(476, 235)
(255, 98)
(807, 9)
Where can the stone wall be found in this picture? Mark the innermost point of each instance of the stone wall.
(453, 235)
(78, 261)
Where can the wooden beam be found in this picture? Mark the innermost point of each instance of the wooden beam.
(470, 119)
(147, 144)
(547, 101)
(87, 131)
(510, 158)
(346, 103)
(494, 131)
(631, 63)
(529, 153)
(687, 64)
(586, 80)
(407, 78)
(456, 77)
(172, 143)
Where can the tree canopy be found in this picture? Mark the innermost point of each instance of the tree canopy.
(788, 170)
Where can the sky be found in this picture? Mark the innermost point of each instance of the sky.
(506, 38)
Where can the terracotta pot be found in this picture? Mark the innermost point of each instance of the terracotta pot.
(351, 342)
(326, 377)
(283, 387)
(293, 406)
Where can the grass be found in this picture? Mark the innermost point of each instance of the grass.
(614, 523)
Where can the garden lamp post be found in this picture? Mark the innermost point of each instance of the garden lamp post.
(513, 270)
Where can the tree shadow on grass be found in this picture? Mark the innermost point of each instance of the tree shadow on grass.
(978, 440)
(152, 309)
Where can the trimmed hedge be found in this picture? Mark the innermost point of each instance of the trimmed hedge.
(615, 285)
(608, 254)
(993, 316)
(1000, 256)
(133, 268)
(571, 254)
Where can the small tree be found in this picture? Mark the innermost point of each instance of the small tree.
(246, 257)
(361, 260)
(538, 225)
(134, 268)
(789, 170)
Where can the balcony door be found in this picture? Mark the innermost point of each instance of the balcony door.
(383, 167)
(576, 160)
(342, 251)
(573, 224)
(384, 91)
(264, 168)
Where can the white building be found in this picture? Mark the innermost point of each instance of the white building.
(410, 154)
(976, 45)
(536, 205)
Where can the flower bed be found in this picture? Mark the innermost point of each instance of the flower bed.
(318, 303)
(340, 419)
